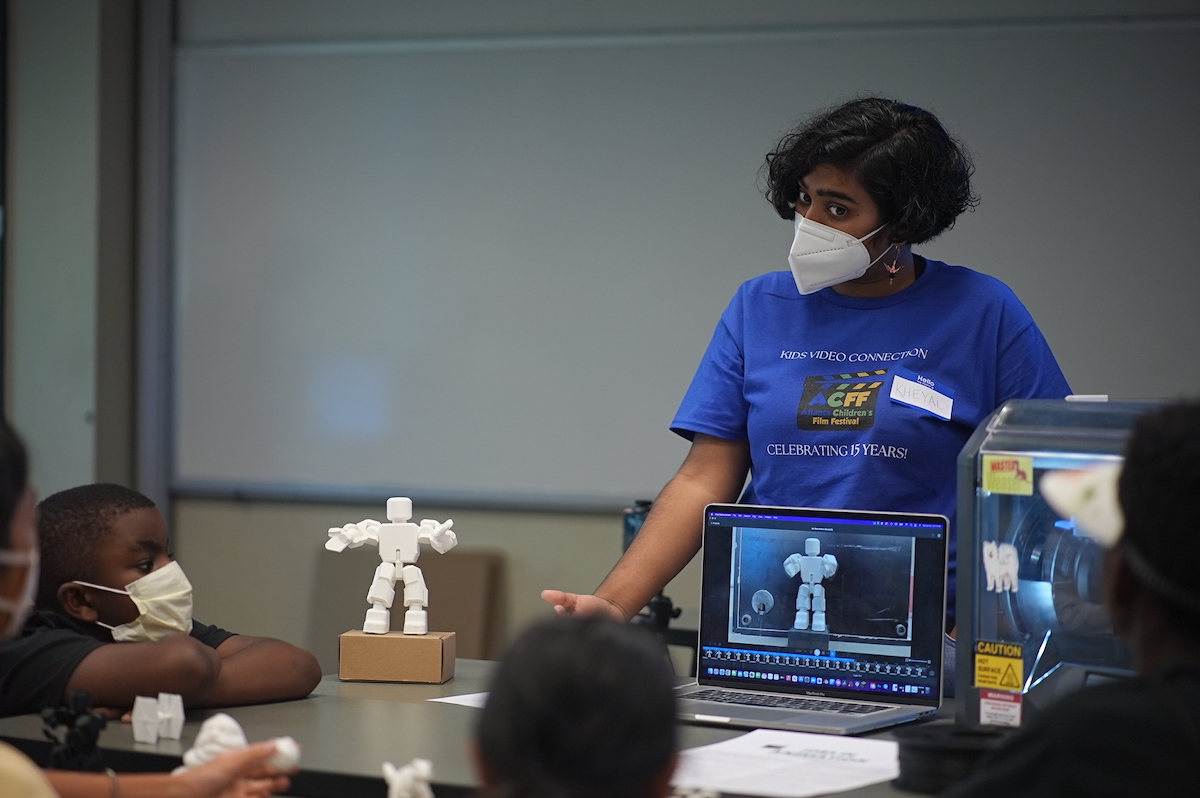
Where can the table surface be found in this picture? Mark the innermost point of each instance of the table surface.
(348, 729)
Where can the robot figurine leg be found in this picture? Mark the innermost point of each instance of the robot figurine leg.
(380, 596)
(803, 605)
(416, 598)
(818, 606)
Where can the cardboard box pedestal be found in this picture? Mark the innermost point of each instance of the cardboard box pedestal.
(395, 657)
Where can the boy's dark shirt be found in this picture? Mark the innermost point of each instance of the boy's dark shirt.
(35, 668)
(1134, 737)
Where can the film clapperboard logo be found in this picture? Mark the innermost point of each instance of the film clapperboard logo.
(840, 401)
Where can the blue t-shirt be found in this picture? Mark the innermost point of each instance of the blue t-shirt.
(808, 381)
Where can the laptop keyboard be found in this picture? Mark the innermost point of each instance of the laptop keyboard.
(785, 702)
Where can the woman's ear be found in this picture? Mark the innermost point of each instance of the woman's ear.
(76, 602)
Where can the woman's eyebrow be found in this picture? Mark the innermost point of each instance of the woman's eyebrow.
(828, 192)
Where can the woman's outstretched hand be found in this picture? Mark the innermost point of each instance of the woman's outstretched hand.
(583, 604)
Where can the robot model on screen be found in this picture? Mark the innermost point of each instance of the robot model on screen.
(810, 599)
(399, 543)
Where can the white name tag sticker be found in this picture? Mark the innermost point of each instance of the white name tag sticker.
(922, 393)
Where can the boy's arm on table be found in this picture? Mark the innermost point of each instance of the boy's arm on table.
(116, 673)
(241, 670)
(258, 669)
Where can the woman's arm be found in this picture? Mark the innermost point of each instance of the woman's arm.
(714, 470)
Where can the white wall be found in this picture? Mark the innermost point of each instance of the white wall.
(69, 338)
(51, 226)
(487, 267)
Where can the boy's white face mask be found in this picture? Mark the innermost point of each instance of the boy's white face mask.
(164, 602)
(822, 256)
(18, 609)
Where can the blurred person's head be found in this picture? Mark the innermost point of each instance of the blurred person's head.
(580, 707)
(1147, 512)
(18, 534)
(1154, 576)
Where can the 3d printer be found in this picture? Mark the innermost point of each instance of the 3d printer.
(1031, 619)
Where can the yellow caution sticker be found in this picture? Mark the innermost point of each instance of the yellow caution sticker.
(1008, 474)
(999, 666)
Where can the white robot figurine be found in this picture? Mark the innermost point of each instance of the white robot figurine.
(812, 567)
(399, 547)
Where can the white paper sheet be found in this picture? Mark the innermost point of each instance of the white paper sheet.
(788, 764)
(466, 699)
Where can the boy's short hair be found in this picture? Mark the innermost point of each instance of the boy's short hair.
(72, 524)
(1159, 491)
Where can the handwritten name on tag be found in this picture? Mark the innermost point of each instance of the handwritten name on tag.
(922, 393)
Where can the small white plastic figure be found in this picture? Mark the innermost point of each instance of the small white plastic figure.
(170, 716)
(410, 781)
(399, 545)
(221, 733)
(287, 754)
(218, 734)
(153, 718)
(1001, 566)
(145, 719)
(812, 567)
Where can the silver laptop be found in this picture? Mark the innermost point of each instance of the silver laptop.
(818, 620)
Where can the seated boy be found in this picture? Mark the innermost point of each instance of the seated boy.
(1139, 736)
(114, 617)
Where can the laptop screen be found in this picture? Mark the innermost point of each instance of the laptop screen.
(836, 603)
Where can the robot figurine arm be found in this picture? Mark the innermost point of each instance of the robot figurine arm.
(440, 536)
(351, 536)
(792, 565)
(828, 565)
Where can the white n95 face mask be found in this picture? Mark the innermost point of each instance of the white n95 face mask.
(822, 256)
(164, 602)
(18, 610)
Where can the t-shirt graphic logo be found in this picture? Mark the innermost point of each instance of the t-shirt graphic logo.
(840, 401)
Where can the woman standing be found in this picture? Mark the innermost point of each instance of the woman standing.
(854, 379)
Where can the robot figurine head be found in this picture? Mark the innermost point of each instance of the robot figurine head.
(812, 547)
(399, 510)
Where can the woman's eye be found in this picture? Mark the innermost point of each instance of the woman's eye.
(837, 211)
(803, 199)
(146, 566)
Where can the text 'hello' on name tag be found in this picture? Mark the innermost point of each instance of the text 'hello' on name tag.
(922, 393)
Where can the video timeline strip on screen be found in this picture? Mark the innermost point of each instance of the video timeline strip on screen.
(850, 667)
(851, 675)
(865, 684)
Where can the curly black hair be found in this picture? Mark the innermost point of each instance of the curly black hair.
(580, 707)
(72, 525)
(917, 173)
(1159, 491)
